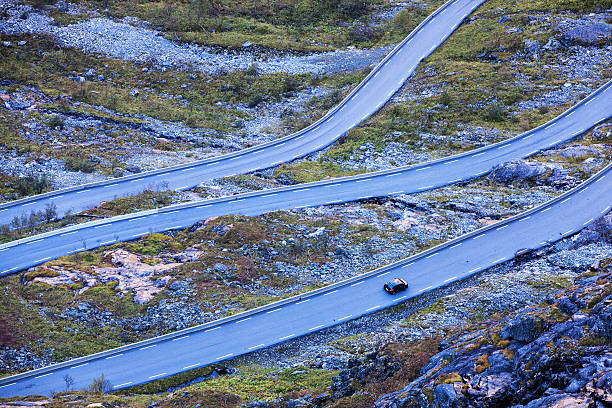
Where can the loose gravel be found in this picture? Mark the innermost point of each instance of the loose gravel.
(139, 44)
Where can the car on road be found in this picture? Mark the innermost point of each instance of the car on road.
(396, 285)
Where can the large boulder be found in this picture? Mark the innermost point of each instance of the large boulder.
(588, 34)
(537, 172)
(445, 396)
(525, 327)
(532, 47)
(575, 151)
(599, 230)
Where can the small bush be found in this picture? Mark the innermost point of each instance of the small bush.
(255, 100)
(524, 123)
(32, 184)
(252, 69)
(56, 121)
(40, 4)
(513, 96)
(79, 164)
(445, 99)
(351, 8)
(290, 84)
(41, 273)
(495, 112)
(100, 385)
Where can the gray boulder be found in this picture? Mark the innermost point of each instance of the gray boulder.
(574, 151)
(222, 268)
(553, 45)
(257, 404)
(445, 396)
(560, 400)
(588, 35)
(523, 327)
(532, 47)
(603, 327)
(598, 231)
(540, 173)
(567, 306)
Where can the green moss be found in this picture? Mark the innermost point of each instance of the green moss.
(307, 171)
(438, 307)
(429, 393)
(265, 384)
(482, 363)
(509, 354)
(344, 343)
(164, 384)
(550, 282)
(450, 378)
(41, 273)
(152, 244)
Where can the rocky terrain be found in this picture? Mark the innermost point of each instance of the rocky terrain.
(130, 40)
(111, 93)
(536, 329)
(552, 354)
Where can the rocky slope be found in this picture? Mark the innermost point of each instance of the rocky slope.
(509, 337)
(556, 354)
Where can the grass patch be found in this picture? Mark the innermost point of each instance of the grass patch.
(252, 383)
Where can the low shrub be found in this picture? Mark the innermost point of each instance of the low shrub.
(41, 273)
(32, 184)
(100, 385)
(79, 164)
(56, 121)
(495, 112)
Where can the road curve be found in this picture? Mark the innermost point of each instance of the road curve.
(372, 93)
(26, 252)
(272, 324)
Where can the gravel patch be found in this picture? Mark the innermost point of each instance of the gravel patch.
(128, 42)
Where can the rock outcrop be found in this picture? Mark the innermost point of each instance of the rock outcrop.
(591, 34)
(532, 171)
(553, 355)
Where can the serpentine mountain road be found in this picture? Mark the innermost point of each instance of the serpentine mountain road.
(34, 250)
(372, 93)
(249, 331)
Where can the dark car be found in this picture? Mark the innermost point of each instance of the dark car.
(396, 285)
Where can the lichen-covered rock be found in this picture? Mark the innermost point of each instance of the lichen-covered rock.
(549, 358)
(532, 47)
(599, 230)
(592, 34)
(537, 172)
(524, 327)
(575, 151)
(445, 396)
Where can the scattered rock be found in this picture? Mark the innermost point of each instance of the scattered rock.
(552, 45)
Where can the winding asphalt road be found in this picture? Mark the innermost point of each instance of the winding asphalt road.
(23, 253)
(371, 94)
(250, 331)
